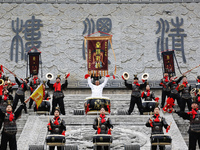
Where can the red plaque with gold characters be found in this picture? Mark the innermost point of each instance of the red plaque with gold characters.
(34, 62)
(97, 54)
(168, 61)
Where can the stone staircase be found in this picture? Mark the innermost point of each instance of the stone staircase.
(128, 129)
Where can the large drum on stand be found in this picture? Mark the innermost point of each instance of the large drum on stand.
(93, 105)
(148, 106)
(43, 108)
(55, 140)
(161, 139)
(102, 140)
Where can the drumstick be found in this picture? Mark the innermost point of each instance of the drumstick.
(49, 123)
(150, 115)
(98, 122)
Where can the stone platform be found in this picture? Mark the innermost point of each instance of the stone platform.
(127, 130)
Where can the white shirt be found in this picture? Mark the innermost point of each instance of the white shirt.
(97, 90)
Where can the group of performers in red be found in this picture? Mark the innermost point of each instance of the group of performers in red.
(170, 89)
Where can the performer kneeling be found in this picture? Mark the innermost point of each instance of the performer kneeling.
(103, 125)
(56, 126)
(10, 127)
(157, 123)
(194, 129)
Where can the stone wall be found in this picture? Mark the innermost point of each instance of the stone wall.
(133, 30)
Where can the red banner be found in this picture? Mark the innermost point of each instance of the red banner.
(97, 55)
(34, 61)
(168, 60)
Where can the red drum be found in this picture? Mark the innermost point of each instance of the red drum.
(93, 105)
(55, 140)
(102, 140)
(160, 139)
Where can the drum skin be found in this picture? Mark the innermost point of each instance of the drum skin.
(160, 139)
(148, 106)
(55, 140)
(102, 139)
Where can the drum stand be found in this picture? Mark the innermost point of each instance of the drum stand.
(102, 147)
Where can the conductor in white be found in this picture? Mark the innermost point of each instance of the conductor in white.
(97, 89)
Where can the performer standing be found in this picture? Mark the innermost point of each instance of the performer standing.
(46, 95)
(8, 85)
(194, 129)
(156, 122)
(165, 88)
(4, 99)
(136, 95)
(58, 94)
(56, 126)
(185, 95)
(20, 93)
(97, 89)
(149, 96)
(34, 83)
(10, 128)
(174, 84)
(103, 125)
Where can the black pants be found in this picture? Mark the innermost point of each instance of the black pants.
(138, 101)
(164, 94)
(193, 138)
(15, 102)
(177, 97)
(183, 103)
(30, 103)
(5, 138)
(60, 102)
(154, 147)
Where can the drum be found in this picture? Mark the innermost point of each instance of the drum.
(55, 140)
(148, 106)
(43, 108)
(160, 139)
(102, 139)
(95, 105)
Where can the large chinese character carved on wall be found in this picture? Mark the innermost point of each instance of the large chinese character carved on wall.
(31, 34)
(176, 33)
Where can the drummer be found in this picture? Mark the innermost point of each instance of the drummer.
(149, 96)
(156, 122)
(97, 89)
(56, 126)
(194, 129)
(103, 125)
